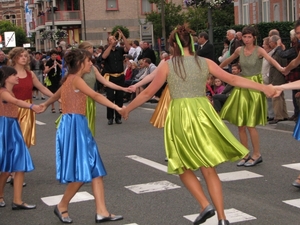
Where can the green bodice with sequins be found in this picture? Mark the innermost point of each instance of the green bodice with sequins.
(195, 80)
(90, 78)
(252, 64)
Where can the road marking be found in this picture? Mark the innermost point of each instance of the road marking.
(152, 187)
(294, 166)
(293, 202)
(238, 175)
(232, 215)
(39, 123)
(131, 224)
(79, 197)
(149, 163)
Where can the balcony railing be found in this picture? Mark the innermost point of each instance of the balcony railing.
(59, 16)
(63, 16)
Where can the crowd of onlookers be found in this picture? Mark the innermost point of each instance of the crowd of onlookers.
(141, 60)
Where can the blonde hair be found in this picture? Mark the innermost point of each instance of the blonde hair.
(14, 55)
(85, 45)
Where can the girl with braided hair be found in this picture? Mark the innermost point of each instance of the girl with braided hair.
(192, 121)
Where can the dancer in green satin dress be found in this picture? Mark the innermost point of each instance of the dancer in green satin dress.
(247, 108)
(195, 135)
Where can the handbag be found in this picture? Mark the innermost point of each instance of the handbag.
(47, 81)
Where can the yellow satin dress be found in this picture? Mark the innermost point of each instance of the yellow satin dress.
(160, 113)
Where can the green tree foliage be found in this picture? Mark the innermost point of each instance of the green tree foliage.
(124, 30)
(173, 17)
(195, 15)
(20, 34)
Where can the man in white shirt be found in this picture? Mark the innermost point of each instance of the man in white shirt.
(138, 50)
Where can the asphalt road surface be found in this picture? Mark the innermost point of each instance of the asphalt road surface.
(138, 187)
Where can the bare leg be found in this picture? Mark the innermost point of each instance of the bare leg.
(215, 189)
(243, 136)
(70, 191)
(3, 178)
(18, 187)
(98, 190)
(255, 142)
(191, 182)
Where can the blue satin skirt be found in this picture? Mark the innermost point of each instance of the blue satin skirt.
(77, 155)
(14, 154)
(195, 136)
(296, 133)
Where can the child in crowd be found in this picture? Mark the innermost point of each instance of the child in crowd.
(219, 86)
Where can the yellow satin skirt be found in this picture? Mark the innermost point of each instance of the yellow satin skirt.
(246, 107)
(90, 115)
(26, 119)
(159, 116)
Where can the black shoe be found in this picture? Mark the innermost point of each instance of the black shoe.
(270, 119)
(276, 121)
(254, 161)
(208, 212)
(118, 121)
(223, 222)
(60, 217)
(22, 206)
(100, 219)
(110, 122)
(296, 183)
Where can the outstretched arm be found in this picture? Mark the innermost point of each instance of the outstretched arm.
(231, 58)
(7, 97)
(40, 86)
(80, 85)
(234, 80)
(153, 87)
(293, 64)
(145, 80)
(272, 61)
(107, 83)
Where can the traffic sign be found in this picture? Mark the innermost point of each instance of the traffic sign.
(10, 39)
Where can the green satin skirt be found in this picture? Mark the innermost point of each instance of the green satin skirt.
(90, 115)
(195, 136)
(246, 107)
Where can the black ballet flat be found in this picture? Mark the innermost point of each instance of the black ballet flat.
(60, 217)
(22, 206)
(100, 219)
(208, 212)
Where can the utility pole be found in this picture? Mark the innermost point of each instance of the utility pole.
(163, 23)
(53, 22)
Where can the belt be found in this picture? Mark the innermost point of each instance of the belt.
(107, 75)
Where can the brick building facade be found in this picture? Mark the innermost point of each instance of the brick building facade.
(13, 11)
(257, 11)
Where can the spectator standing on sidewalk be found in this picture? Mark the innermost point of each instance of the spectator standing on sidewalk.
(114, 72)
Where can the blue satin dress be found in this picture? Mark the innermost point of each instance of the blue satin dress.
(296, 133)
(77, 154)
(14, 154)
